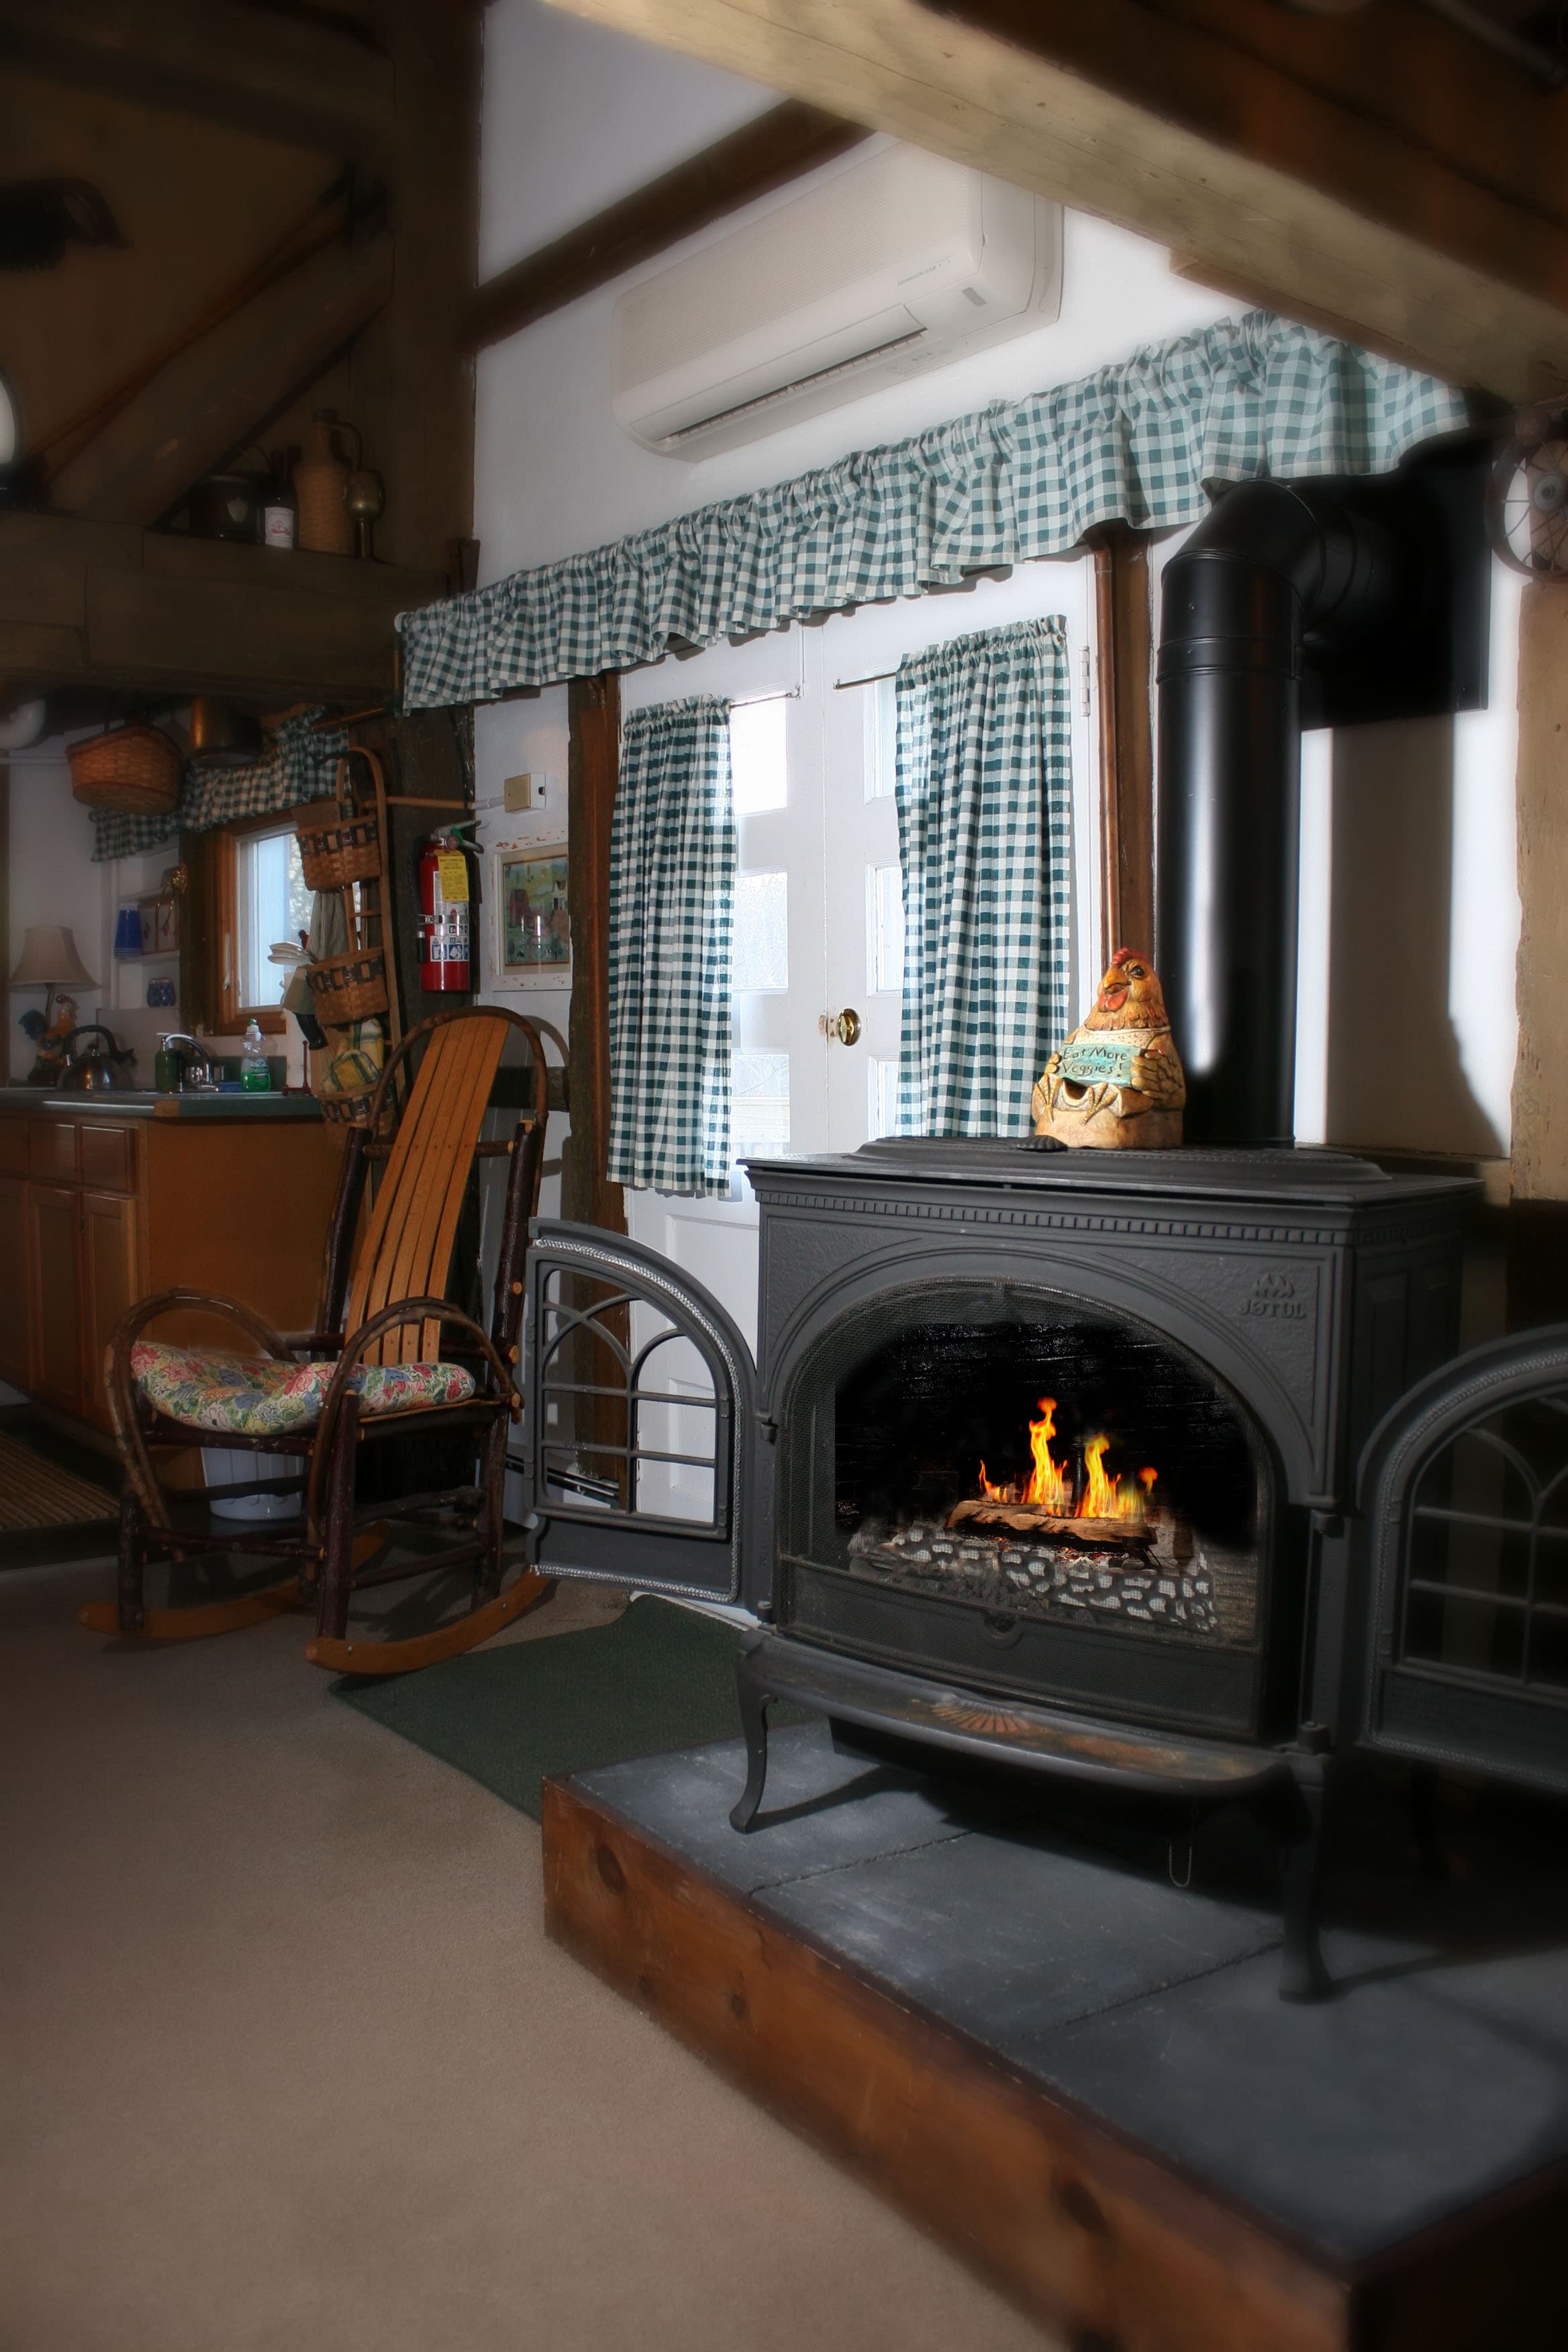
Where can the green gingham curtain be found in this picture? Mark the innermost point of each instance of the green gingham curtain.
(672, 888)
(300, 766)
(1144, 440)
(984, 793)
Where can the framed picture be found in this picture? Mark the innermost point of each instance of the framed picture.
(533, 935)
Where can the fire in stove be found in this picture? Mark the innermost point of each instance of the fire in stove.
(1061, 1540)
(1105, 1511)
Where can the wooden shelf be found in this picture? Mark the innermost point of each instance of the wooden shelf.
(110, 606)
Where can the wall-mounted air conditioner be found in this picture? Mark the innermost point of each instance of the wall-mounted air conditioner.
(899, 264)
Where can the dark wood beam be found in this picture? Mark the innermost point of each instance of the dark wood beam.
(764, 154)
(90, 605)
(1432, 223)
(214, 395)
(594, 764)
(297, 79)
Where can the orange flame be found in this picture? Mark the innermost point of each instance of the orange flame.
(1047, 1485)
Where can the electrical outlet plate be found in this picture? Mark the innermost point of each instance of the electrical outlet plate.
(527, 792)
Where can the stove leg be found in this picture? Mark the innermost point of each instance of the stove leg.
(1302, 1975)
(754, 1723)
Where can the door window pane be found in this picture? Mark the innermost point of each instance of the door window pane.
(761, 934)
(759, 771)
(882, 1109)
(759, 1103)
(885, 929)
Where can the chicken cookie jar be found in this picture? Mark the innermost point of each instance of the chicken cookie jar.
(1117, 1085)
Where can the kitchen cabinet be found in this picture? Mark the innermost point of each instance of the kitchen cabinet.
(101, 1208)
(108, 1272)
(14, 1302)
(54, 1263)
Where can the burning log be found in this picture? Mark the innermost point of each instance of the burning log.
(1030, 1518)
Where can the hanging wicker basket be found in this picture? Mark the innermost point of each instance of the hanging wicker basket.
(350, 1109)
(134, 770)
(348, 988)
(339, 850)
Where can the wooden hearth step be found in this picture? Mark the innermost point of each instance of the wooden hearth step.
(1078, 2074)
(1005, 1729)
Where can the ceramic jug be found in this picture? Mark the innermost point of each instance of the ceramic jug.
(325, 525)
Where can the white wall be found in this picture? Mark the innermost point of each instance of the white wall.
(53, 881)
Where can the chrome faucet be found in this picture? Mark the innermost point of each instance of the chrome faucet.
(195, 1075)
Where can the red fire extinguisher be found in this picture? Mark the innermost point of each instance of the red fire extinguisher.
(445, 907)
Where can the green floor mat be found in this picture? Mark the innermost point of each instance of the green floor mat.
(659, 1677)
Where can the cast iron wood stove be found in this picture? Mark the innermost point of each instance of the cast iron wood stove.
(1171, 1365)
(1050, 1461)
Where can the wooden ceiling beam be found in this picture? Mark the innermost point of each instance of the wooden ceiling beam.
(296, 79)
(764, 154)
(1158, 118)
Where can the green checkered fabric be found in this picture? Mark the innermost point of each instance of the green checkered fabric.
(1147, 441)
(298, 767)
(984, 793)
(672, 893)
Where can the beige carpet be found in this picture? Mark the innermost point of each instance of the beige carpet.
(289, 2061)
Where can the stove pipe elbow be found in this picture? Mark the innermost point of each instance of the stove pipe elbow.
(1272, 573)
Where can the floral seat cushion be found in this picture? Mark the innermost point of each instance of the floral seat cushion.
(264, 1396)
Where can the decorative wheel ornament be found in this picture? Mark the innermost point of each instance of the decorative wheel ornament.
(1528, 499)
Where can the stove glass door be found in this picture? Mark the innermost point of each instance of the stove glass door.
(639, 1420)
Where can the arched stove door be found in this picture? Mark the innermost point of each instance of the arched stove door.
(639, 1420)
(1459, 1561)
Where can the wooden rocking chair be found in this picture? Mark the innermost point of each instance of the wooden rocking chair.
(373, 1371)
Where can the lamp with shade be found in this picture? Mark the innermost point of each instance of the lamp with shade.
(50, 960)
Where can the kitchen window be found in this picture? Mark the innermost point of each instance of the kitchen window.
(248, 895)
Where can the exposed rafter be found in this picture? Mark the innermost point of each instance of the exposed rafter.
(761, 155)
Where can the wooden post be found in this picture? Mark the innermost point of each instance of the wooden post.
(593, 768)
(412, 391)
(1125, 631)
(1541, 1073)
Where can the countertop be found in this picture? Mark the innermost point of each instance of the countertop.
(142, 1103)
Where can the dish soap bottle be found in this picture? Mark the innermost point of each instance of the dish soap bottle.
(255, 1077)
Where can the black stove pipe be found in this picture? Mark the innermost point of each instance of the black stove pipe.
(1273, 573)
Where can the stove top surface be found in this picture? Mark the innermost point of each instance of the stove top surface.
(1303, 1172)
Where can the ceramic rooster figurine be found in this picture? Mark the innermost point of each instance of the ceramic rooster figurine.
(1117, 1084)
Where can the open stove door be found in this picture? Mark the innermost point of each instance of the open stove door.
(639, 1406)
(1451, 1582)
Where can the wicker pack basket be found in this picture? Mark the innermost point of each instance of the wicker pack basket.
(339, 850)
(352, 1109)
(133, 769)
(348, 988)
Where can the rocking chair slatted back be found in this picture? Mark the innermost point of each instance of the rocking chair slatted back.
(408, 1246)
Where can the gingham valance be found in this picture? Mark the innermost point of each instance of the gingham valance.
(672, 895)
(300, 766)
(1143, 441)
(984, 791)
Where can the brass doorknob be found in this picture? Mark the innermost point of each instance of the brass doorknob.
(846, 1026)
